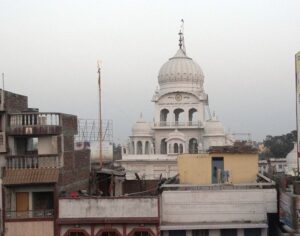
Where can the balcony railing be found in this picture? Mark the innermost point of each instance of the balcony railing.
(34, 118)
(35, 123)
(47, 213)
(189, 124)
(32, 161)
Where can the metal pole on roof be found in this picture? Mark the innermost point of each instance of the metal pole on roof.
(3, 81)
(100, 116)
(297, 83)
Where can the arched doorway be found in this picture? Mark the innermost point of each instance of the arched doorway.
(108, 232)
(147, 147)
(193, 146)
(76, 232)
(193, 116)
(163, 146)
(176, 147)
(141, 232)
(139, 147)
(179, 119)
(164, 116)
(180, 148)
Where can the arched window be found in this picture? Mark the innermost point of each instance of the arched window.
(76, 232)
(180, 148)
(133, 148)
(193, 146)
(108, 232)
(139, 147)
(164, 116)
(175, 147)
(193, 116)
(141, 232)
(124, 150)
(163, 146)
(178, 113)
(147, 147)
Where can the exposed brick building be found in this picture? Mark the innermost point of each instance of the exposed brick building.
(39, 163)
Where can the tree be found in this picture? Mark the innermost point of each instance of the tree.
(279, 146)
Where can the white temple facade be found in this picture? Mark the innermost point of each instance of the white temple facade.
(180, 123)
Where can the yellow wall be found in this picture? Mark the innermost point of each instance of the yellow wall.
(30, 228)
(196, 168)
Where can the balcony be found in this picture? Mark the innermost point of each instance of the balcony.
(35, 123)
(178, 125)
(13, 215)
(32, 161)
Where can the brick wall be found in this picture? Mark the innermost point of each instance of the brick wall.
(75, 174)
(69, 124)
(134, 186)
(14, 102)
(68, 143)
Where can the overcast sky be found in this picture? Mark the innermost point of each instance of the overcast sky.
(49, 50)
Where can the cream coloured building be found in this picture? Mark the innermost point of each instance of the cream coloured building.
(180, 122)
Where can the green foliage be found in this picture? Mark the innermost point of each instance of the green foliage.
(279, 146)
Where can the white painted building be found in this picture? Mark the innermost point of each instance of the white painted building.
(180, 123)
(211, 210)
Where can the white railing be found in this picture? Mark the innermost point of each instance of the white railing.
(178, 124)
(34, 119)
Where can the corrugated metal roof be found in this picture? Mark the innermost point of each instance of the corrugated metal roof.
(30, 176)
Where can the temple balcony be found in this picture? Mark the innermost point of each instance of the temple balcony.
(178, 125)
(35, 123)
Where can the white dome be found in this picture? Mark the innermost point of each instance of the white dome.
(214, 127)
(142, 128)
(181, 72)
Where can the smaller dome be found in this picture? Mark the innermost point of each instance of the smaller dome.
(214, 127)
(142, 128)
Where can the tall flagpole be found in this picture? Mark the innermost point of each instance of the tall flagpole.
(100, 116)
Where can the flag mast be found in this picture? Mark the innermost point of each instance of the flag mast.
(100, 116)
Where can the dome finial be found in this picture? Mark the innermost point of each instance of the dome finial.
(181, 36)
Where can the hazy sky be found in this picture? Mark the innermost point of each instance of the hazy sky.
(49, 50)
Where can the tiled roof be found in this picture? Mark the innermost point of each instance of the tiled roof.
(30, 176)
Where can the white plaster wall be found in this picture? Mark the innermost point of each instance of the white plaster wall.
(188, 101)
(150, 170)
(47, 145)
(218, 205)
(119, 207)
(189, 133)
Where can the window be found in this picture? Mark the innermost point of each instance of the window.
(163, 146)
(139, 147)
(203, 232)
(177, 233)
(228, 232)
(175, 147)
(108, 234)
(178, 113)
(141, 233)
(193, 146)
(252, 232)
(147, 147)
(76, 234)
